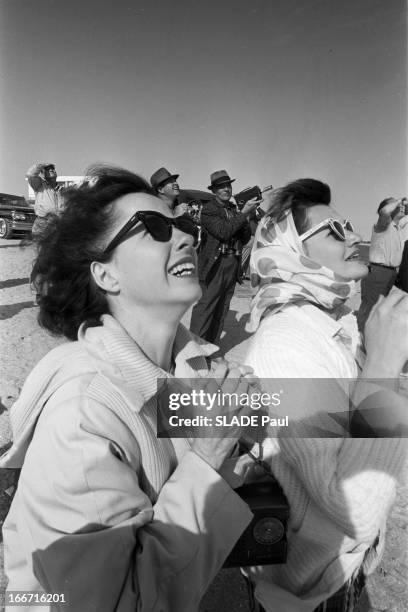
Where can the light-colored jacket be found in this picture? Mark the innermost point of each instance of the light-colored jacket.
(106, 512)
(48, 201)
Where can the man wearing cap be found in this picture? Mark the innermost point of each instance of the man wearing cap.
(42, 177)
(167, 189)
(225, 231)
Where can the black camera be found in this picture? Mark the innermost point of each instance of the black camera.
(243, 196)
(194, 210)
(264, 540)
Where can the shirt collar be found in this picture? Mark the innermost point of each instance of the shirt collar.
(343, 327)
(322, 321)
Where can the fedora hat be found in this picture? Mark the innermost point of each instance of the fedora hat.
(160, 176)
(219, 177)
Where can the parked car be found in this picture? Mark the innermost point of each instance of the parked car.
(16, 216)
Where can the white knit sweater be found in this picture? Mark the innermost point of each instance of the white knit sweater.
(339, 489)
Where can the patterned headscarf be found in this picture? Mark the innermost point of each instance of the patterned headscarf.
(282, 273)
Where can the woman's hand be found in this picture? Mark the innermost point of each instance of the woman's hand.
(386, 336)
(225, 378)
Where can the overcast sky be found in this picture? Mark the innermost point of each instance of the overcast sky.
(271, 90)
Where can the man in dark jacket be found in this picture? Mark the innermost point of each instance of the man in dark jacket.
(402, 278)
(224, 232)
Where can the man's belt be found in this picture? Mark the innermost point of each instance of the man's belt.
(225, 249)
(373, 263)
(229, 252)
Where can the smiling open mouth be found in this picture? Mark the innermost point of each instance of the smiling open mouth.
(184, 269)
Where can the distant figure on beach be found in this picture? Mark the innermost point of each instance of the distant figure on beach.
(387, 243)
(42, 178)
(167, 189)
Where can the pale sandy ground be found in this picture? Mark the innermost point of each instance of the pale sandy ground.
(23, 343)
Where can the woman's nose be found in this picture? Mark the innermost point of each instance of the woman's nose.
(181, 239)
(353, 238)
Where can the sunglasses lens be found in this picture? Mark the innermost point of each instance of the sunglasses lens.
(157, 226)
(186, 224)
(348, 226)
(338, 229)
(160, 227)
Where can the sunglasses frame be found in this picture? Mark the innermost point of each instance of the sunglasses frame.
(331, 223)
(140, 217)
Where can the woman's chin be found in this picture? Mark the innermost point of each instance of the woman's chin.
(197, 294)
(191, 295)
(361, 271)
(354, 271)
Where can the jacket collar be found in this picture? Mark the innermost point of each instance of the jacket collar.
(116, 355)
(109, 351)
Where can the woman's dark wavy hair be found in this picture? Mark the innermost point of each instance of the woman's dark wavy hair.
(298, 196)
(66, 292)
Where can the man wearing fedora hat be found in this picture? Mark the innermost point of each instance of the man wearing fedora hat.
(225, 230)
(167, 189)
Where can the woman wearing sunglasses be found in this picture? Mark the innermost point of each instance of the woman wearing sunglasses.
(106, 515)
(304, 267)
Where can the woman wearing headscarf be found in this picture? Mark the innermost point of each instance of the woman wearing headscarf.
(304, 265)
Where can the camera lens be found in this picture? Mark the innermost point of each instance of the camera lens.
(268, 530)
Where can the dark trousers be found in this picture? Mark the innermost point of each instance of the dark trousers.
(378, 282)
(402, 280)
(346, 599)
(207, 319)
